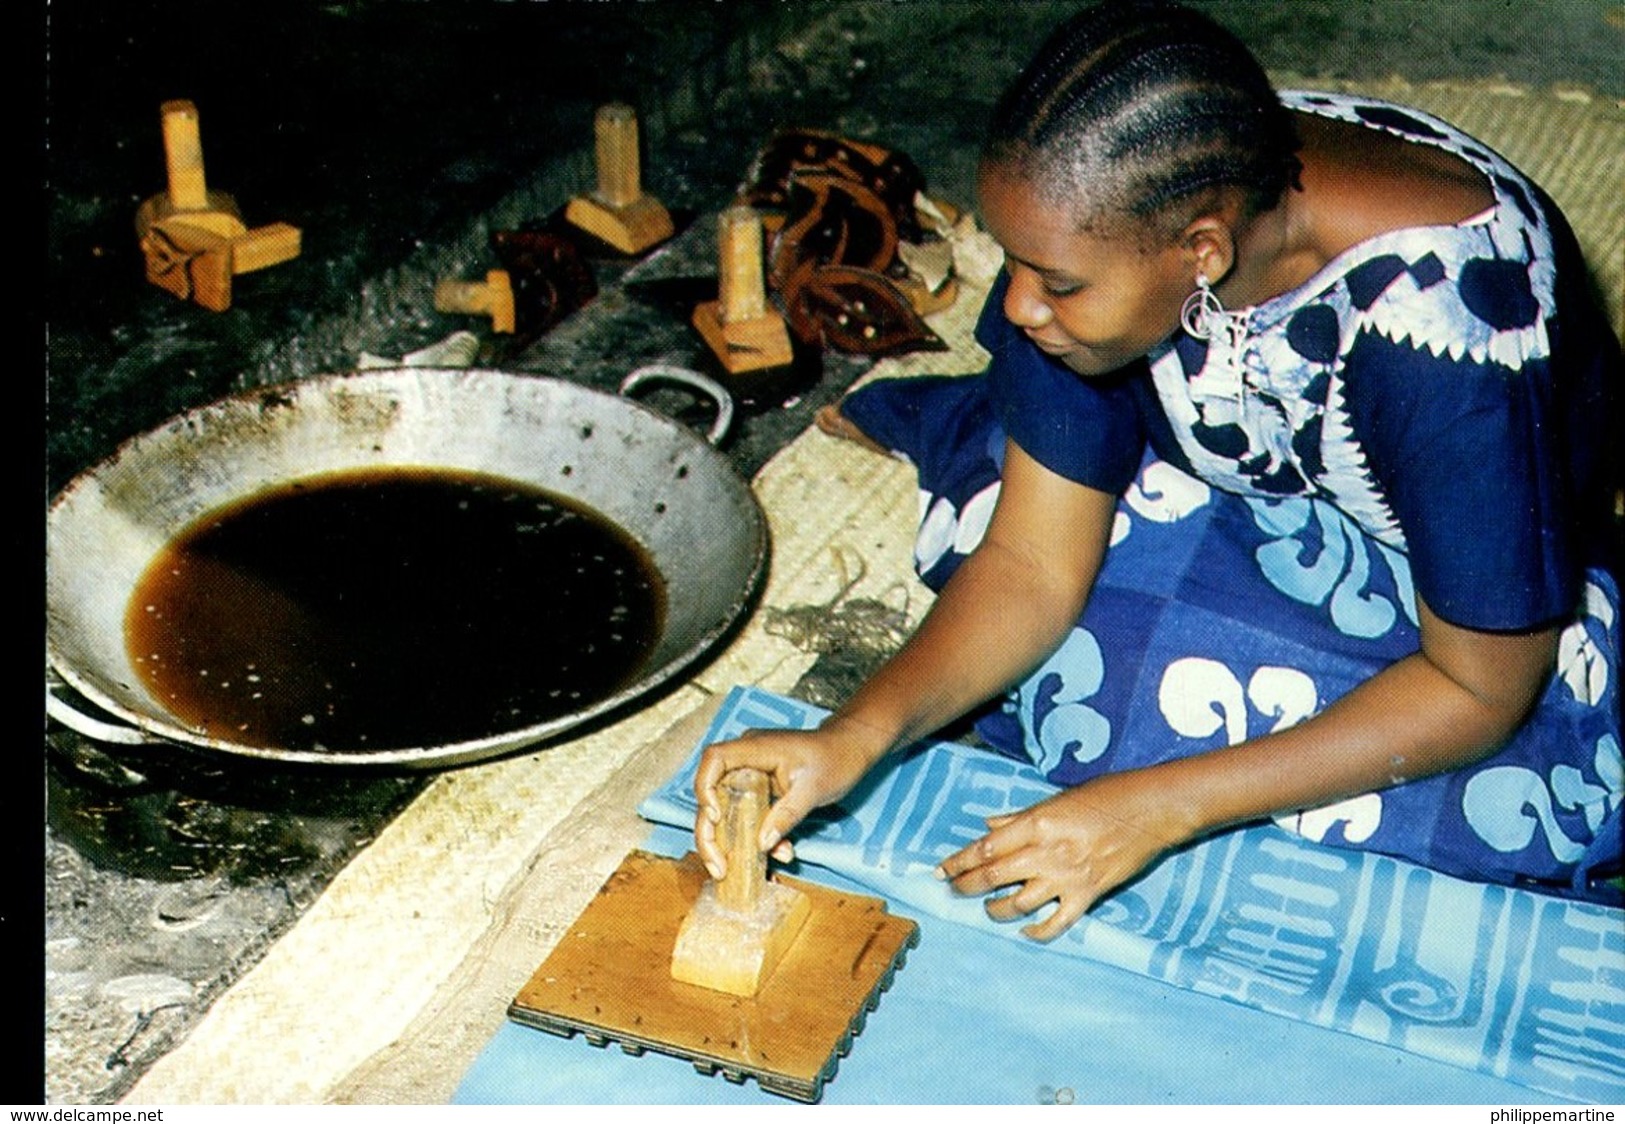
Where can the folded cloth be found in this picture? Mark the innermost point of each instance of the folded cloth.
(1502, 981)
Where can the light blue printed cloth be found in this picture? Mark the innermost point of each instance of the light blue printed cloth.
(974, 1018)
(1502, 981)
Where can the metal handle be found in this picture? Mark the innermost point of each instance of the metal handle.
(114, 733)
(694, 380)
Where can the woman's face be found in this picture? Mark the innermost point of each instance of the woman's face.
(1095, 303)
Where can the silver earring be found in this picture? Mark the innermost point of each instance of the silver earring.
(1204, 316)
(1202, 313)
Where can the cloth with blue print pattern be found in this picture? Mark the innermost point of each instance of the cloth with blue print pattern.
(1521, 985)
(1427, 416)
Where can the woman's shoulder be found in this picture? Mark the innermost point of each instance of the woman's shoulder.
(1360, 183)
(1426, 234)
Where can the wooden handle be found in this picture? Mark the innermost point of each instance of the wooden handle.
(452, 295)
(740, 289)
(619, 173)
(492, 297)
(183, 152)
(745, 799)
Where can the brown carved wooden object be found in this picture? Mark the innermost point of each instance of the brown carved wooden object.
(854, 310)
(792, 153)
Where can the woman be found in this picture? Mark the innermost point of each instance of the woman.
(1359, 348)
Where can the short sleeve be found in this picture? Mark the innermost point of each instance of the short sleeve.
(1088, 430)
(1470, 457)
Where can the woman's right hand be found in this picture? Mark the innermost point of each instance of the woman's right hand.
(806, 769)
(1008, 606)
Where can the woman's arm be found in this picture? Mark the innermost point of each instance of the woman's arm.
(1444, 707)
(1011, 602)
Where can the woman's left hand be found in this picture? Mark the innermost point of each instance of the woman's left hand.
(1072, 849)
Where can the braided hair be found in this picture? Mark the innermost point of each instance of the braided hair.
(1144, 110)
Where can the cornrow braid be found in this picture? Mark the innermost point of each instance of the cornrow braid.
(1142, 109)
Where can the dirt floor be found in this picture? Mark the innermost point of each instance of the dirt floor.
(398, 135)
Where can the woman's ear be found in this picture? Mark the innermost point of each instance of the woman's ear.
(1210, 244)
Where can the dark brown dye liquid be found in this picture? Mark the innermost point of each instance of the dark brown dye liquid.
(392, 609)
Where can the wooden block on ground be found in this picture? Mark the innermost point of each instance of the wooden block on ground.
(610, 979)
(193, 263)
(743, 345)
(265, 246)
(220, 217)
(492, 297)
(631, 228)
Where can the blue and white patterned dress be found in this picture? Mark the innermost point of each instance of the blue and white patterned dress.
(1428, 415)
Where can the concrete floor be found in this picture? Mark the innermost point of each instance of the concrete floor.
(399, 135)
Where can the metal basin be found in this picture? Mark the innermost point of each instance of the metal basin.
(658, 481)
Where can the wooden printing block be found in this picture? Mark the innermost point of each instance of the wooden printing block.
(492, 297)
(193, 239)
(609, 979)
(742, 330)
(796, 1003)
(191, 262)
(739, 928)
(618, 212)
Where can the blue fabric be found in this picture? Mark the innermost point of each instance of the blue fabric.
(1503, 982)
(974, 1018)
(1218, 617)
